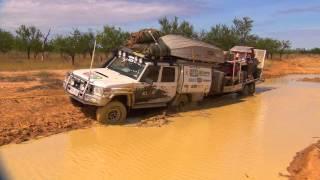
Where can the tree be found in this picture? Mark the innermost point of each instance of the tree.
(252, 40)
(284, 45)
(6, 41)
(58, 44)
(44, 45)
(315, 50)
(226, 37)
(186, 29)
(271, 45)
(111, 38)
(87, 43)
(222, 36)
(69, 44)
(243, 28)
(168, 27)
(174, 27)
(201, 35)
(72, 44)
(29, 39)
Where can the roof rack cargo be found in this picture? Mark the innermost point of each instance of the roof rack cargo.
(190, 49)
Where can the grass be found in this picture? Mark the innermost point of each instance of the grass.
(16, 78)
(16, 61)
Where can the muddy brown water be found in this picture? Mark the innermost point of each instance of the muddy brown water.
(228, 138)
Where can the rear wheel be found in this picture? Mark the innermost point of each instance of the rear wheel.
(113, 113)
(182, 102)
(251, 88)
(245, 90)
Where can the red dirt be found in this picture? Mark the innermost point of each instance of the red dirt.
(306, 164)
(294, 65)
(316, 79)
(33, 104)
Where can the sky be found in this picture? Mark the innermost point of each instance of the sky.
(294, 20)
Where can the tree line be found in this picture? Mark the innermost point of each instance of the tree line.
(32, 41)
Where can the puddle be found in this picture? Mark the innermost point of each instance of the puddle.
(229, 138)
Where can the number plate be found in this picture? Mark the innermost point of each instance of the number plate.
(73, 91)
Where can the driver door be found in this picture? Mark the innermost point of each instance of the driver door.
(149, 91)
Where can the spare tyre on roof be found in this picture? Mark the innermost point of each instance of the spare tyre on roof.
(190, 49)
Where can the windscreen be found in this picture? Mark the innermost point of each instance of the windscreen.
(127, 66)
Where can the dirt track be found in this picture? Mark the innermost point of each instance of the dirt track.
(33, 104)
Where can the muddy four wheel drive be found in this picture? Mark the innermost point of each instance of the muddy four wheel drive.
(173, 71)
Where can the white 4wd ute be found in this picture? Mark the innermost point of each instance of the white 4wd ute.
(131, 81)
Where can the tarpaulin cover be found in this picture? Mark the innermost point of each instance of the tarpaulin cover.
(190, 49)
(242, 49)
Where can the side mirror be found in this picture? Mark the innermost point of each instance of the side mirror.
(149, 81)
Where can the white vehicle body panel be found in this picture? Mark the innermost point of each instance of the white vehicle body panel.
(104, 77)
(195, 79)
(169, 87)
(158, 91)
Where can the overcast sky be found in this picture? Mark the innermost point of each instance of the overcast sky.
(295, 20)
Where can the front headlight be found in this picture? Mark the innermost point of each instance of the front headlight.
(99, 91)
(71, 81)
(82, 87)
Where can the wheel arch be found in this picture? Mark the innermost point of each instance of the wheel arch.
(126, 99)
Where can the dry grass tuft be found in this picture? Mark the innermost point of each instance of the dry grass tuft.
(16, 61)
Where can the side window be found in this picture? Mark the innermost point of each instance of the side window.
(168, 74)
(151, 74)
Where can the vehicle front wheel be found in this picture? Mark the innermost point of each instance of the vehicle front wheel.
(113, 113)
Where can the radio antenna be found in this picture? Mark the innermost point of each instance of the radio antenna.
(156, 42)
(92, 59)
(154, 39)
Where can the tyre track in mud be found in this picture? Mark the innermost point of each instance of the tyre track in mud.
(33, 104)
(26, 118)
(28, 97)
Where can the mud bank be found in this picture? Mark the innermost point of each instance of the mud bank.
(306, 164)
(33, 104)
(293, 65)
(316, 79)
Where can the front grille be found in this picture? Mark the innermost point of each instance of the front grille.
(77, 82)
